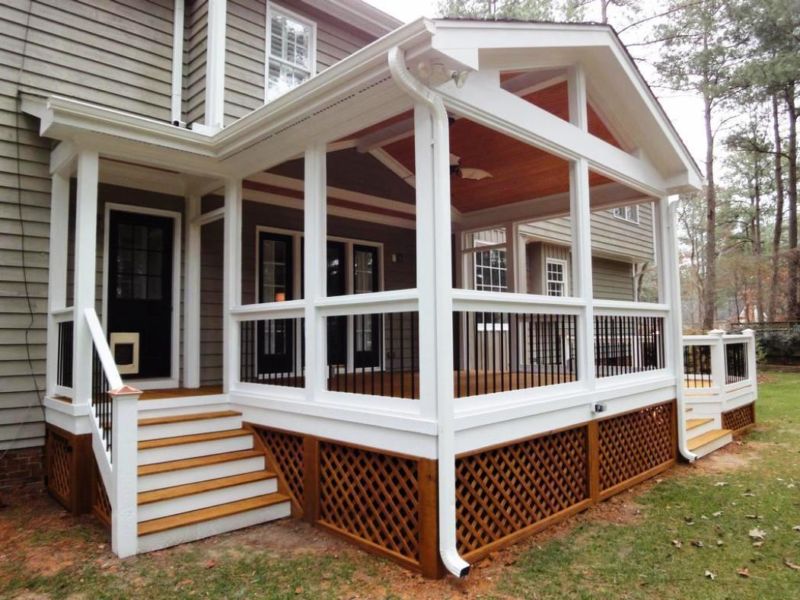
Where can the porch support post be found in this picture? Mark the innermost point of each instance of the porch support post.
(215, 65)
(515, 284)
(57, 271)
(582, 267)
(191, 295)
(668, 282)
(315, 271)
(580, 219)
(232, 282)
(85, 266)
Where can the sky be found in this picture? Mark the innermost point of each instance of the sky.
(684, 110)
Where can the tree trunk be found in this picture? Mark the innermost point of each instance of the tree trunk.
(774, 295)
(710, 291)
(757, 248)
(794, 257)
(604, 10)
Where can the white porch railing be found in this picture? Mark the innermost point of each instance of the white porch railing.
(719, 367)
(113, 422)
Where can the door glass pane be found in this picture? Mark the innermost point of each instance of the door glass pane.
(365, 270)
(275, 280)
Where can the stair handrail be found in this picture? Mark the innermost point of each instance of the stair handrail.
(117, 466)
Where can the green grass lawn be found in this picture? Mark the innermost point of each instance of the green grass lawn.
(656, 541)
(755, 486)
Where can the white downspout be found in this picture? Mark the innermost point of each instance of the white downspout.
(667, 214)
(444, 402)
(177, 63)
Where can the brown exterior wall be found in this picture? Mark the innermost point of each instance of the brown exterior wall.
(21, 467)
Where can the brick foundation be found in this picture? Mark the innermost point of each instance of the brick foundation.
(20, 467)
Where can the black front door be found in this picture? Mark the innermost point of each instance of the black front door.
(140, 286)
(337, 286)
(366, 328)
(275, 337)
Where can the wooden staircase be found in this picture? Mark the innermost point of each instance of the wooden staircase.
(199, 475)
(704, 435)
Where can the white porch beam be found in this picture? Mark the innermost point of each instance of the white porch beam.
(577, 97)
(62, 158)
(232, 282)
(215, 65)
(315, 271)
(84, 273)
(582, 267)
(57, 270)
(191, 295)
(502, 111)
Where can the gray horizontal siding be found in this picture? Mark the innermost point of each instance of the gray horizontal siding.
(610, 236)
(612, 279)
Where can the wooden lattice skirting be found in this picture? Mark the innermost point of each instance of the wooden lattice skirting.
(387, 503)
(384, 502)
(67, 468)
(510, 491)
(740, 419)
(101, 507)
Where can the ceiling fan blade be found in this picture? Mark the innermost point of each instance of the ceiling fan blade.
(474, 174)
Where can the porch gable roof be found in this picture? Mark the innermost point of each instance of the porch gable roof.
(359, 91)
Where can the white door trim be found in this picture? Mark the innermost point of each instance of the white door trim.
(173, 380)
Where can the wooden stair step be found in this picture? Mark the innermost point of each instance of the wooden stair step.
(207, 514)
(707, 438)
(203, 416)
(199, 461)
(187, 489)
(695, 423)
(194, 438)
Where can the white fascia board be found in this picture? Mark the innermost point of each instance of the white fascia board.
(457, 38)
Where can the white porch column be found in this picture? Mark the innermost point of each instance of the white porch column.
(718, 366)
(57, 270)
(191, 295)
(215, 65)
(232, 282)
(85, 266)
(315, 271)
(580, 219)
(668, 284)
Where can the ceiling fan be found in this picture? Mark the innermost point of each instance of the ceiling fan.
(466, 172)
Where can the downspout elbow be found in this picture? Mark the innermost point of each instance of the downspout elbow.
(448, 550)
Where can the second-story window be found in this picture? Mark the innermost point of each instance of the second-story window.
(291, 50)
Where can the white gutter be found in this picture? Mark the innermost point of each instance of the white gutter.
(177, 63)
(444, 400)
(667, 213)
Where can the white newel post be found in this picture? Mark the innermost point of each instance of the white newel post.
(191, 295)
(315, 228)
(752, 366)
(124, 464)
(85, 266)
(57, 271)
(232, 282)
(718, 367)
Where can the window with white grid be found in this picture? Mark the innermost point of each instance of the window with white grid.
(291, 50)
(556, 277)
(490, 270)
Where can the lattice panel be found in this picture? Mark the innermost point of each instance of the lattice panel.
(504, 490)
(739, 418)
(635, 442)
(370, 495)
(288, 452)
(101, 507)
(59, 466)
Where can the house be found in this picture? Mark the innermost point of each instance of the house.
(270, 258)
